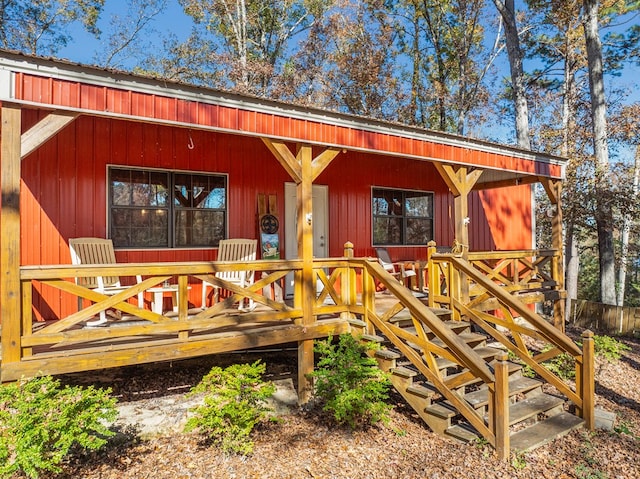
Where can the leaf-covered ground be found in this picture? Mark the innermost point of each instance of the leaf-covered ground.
(303, 445)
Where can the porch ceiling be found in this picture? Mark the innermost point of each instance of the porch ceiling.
(67, 87)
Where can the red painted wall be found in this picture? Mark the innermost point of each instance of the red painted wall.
(64, 192)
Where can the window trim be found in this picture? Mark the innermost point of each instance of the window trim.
(171, 173)
(404, 217)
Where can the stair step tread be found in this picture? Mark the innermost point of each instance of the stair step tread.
(532, 406)
(443, 409)
(404, 372)
(520, 385)
(387, 354)
(405, 314)
(484, 352)
(462, 433)
(513, 367)
(372, 337)
(420, 390)
(545, 431)
(466, 337)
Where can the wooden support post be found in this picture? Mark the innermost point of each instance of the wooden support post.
(499, 413)
(305, 251)
(303, 169)
(554, 192)
(460, 181)
(587, 382)
(11, 301)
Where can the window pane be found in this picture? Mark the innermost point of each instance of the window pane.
(380, 203)
(120, 222)
(387, 230)
(182, 191)
(120, 187)
(147, 226)
(216, 194)
(139, 227)
(199, 228)
(418, 204)
(419, 231)
(200, 191)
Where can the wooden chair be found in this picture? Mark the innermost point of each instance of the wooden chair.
(237, 250)
(399, 270)
(98, 251)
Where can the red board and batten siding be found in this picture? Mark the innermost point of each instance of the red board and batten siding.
(143, 105)
(65, 191)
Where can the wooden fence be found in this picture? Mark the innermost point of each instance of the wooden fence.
(604, 317)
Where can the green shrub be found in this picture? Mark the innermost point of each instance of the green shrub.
(349, 382)
(40, 422)
(233, 405)
(563, 366)
(609, 348)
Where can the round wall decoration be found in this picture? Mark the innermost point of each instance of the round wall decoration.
(269, 224)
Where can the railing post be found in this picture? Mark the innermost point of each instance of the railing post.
(347, 282)
(26, 288)
(587, 382)
(454, 290)
(433, 274)
(499, 413)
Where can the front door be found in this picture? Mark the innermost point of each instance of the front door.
(320, 195)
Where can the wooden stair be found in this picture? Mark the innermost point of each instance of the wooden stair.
(535, 417)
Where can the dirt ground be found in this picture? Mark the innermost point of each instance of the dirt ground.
(303, 445)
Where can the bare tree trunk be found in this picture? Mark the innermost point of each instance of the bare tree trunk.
(572, 265)
(507, 11)
(604, 220)
(572, 259)
(626, 230)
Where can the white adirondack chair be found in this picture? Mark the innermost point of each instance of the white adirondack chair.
(98, 251)
(238, 250)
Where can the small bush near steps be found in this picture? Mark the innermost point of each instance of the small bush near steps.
(234, 404)
(349, 384)
(40, 423)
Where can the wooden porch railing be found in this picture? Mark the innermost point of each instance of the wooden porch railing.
(531, 275)
(142, 335)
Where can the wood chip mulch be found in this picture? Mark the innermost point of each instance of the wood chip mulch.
(304, 445)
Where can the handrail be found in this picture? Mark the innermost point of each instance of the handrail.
(551, 333)
(538, 328)
(465, 354)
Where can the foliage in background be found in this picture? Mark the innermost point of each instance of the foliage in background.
(234, 404)
(40, 422)
(41, 27)
(604, 346)
(348, 382)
